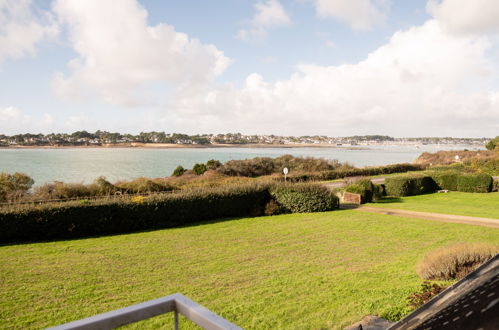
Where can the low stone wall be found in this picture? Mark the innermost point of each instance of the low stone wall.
(351, 198)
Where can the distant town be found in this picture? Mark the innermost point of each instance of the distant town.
(103, 138)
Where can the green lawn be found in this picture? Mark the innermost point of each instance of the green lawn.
(471, 204)
(318, 270)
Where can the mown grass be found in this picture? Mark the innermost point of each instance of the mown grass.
(459, 203)
(317, 270)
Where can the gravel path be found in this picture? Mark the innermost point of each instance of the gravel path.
(476, 221)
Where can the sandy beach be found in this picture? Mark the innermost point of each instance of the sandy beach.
(191, 146)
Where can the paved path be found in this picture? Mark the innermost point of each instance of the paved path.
(477, 221)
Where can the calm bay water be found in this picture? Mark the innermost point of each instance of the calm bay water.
(84, 165)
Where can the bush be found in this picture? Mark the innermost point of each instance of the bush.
(379, 191)
(489, 166)
(61, 190)
(478, 183)
(455, 261)
(409, 185)
(364, 188)
(124, 214)
(249, 167)
(427, 292)
(213, 164)
(349, 171)
(301, 198)
(104, 187)
(445, 179)
(495, 185)
(143, 185)
(493, 144)
(199, 169)
(14, 186)
(178, 171)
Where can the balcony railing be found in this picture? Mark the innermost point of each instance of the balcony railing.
(175, 303)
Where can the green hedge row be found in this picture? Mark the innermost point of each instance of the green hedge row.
(102, 217)
(70, 220)
(478, 183)
(445, 179)
(300, 198)
(409, 185)
(364, 171)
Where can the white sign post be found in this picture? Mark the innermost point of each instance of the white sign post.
(285, 171)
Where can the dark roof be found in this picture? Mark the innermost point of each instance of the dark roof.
(471, 303)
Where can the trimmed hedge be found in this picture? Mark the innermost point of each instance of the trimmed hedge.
(85, 218)
(365, 188)
(302, 198)
(410, 185)
(477, 183)
(446, 179)
(449, 180)
(341, 173)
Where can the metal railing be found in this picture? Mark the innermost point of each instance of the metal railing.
(175, 303)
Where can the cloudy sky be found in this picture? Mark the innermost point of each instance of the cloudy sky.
(294, 67)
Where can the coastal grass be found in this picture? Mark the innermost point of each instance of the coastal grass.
(459, 203)
(313, 270)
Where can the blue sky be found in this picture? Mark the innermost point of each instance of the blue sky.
(329, 67)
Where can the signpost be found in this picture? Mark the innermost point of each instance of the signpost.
(285, 171)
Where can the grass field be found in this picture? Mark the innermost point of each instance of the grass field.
(318, 270)
(471, 204)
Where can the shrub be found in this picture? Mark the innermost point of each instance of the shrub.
(455, 261)
(178, 171)
(409, 185)
(104, 187)
(213, 164)
(249, 167)
(143, 185)
(357, 189)
(426, 293)
(305, 164)
(445, 179)
(199, 169)
(489, 166)
(378, 192)
(478, 183)
(61, 190)
(349, 171)
(493, 144)
(495, 185)
(364, 188)
(14, 186)
(120, 215)
(301, 198)
(272, 208)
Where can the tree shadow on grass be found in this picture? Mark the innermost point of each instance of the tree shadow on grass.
(200, 222)
(389, 200)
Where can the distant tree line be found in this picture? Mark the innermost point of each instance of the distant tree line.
(84, 138)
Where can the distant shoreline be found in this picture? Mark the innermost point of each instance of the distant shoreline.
(190, 146)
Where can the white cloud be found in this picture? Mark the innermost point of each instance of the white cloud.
(14, 121)
(269, 59)
(21, 29)
(465, 16)
(269, 14)
(120, 54)
(422, 82)
(359, 14)
(11, 115)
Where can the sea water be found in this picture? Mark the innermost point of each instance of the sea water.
(86, 164)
